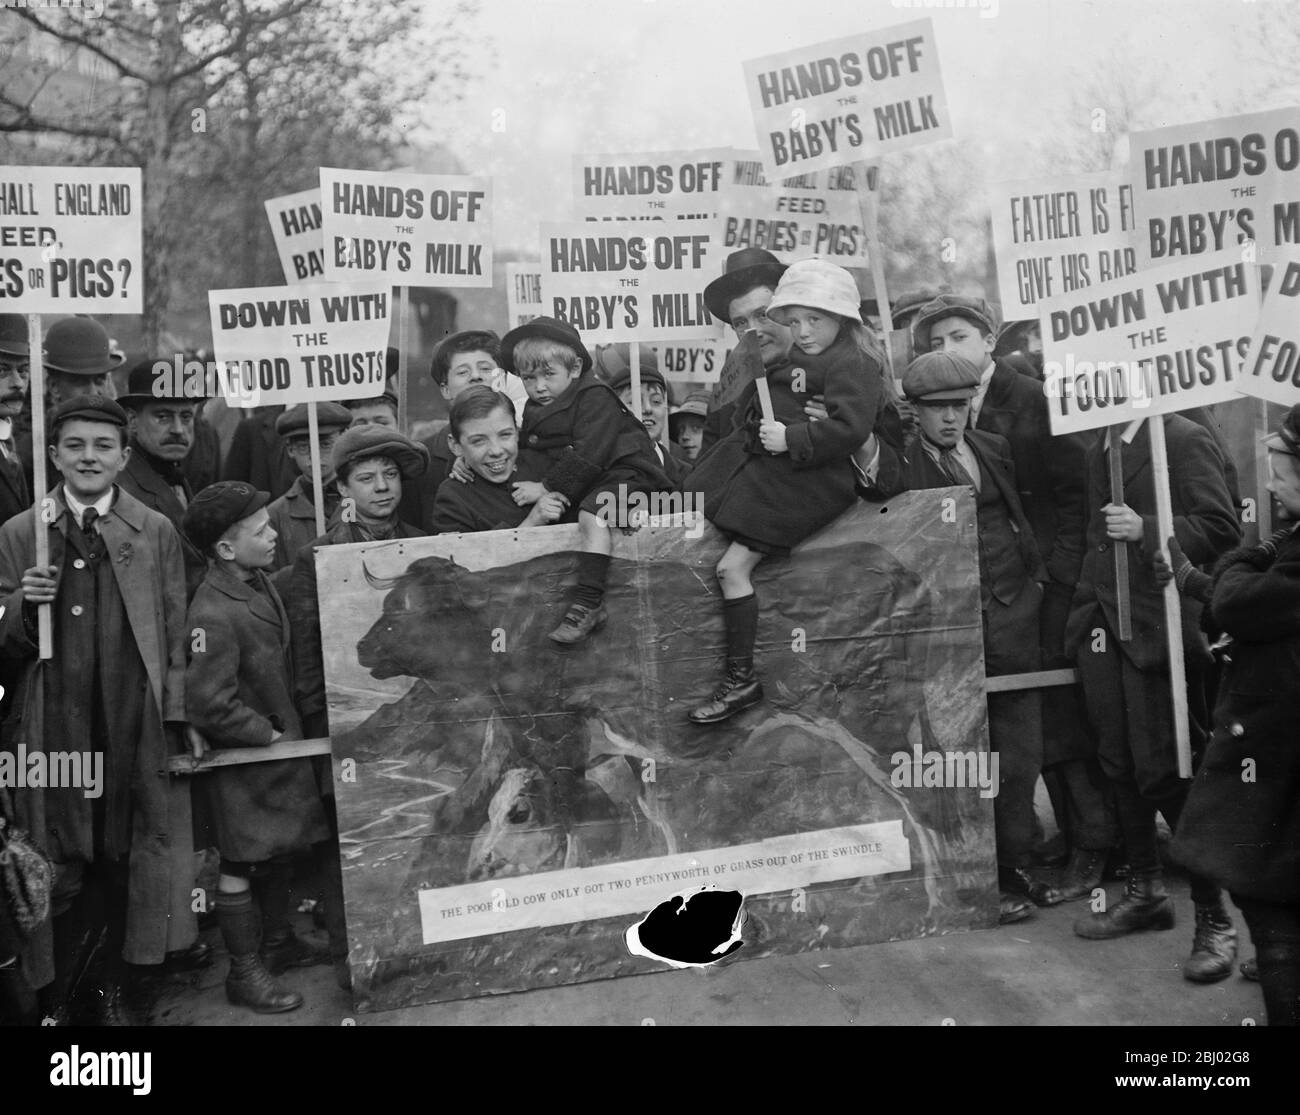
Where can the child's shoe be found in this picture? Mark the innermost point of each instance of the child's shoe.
(579, 622)
(738, 691)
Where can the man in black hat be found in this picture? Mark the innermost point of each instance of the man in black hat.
(162, 436)
(1051, 475)
(15, 369)
(949, 453)
(112, 695)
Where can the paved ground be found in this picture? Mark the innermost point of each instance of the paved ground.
(1034, 973)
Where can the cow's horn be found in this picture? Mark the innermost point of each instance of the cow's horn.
(381, 583)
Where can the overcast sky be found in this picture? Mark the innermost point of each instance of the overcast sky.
(565, 76)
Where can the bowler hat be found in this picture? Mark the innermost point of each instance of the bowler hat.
(219, 507)
(1286, 438)
(744, 270)
(144, 385)
(329, 415)
(974, 310)
(13, 335)
(360, 442)
(939, 376)
(820, 285)
(79, 346)
(908, 304)
(549, 329)
(613, 366)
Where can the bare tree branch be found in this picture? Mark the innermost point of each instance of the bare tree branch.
(81, 41)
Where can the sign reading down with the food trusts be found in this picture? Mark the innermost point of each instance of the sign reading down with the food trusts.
(1163, 340)
(848, 99)
(70, 240)
(413, 229)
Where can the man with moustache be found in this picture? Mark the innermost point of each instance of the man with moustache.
(162, 437)
(15, 368)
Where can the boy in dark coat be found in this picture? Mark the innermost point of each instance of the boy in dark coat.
(612, 366)
(293, 515)
(485, 437)
(1126, 684)
(239, 693)
(1244, 831)
(1011, 571)
(593, 448)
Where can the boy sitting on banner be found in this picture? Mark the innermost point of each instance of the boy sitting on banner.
(293, 515)
(611, 363)
(1126, 685)
(484, 435)
(593, 448)
(239, 693)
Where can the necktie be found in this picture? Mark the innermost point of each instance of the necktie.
(88, 522)
(952, 467)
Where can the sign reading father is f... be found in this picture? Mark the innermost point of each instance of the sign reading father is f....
(856, 98)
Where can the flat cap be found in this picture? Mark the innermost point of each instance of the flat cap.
(361, 442)
(974, 310)
(613, 365)
(1286, 438)
(91, 408)
(936, 376)
(218, 508)
(294, 420)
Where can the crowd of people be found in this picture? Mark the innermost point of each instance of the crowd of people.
(184, 609)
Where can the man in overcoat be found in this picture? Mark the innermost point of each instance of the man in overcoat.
(113, 695)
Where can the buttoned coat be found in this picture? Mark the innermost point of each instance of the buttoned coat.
(145, 553)
(143, 482)
(1205, 525)
(239, 693)
(1244, 832)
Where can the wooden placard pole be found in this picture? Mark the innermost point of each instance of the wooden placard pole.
(40, 458)
(1173, 611)
(1263, 501)
(634, 367)
(1115, 465)
(318, 490)
(876, 261)
(403, 387)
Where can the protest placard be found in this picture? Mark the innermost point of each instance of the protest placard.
(696, 362)
(817, 212)
(1272, 367)
(1057, 235)
(523, 293)
(296, 227)
(70, 240)
(413, 229)
(657, 185)
(1162, 340)
(312, 343)
(630, 282)
(854, 98)
(1215, 184)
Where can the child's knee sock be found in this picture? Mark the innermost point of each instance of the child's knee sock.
(593, 571)
(741, 618)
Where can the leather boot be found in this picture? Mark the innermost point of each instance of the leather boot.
(249, 984)
(1082, 874)
(281, 948)
(1145, 905)
(1214, 945)
(739, 690)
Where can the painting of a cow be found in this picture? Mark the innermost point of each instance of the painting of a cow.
(509, 756)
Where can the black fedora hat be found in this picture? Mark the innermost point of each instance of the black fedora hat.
(145, 385)
(13, 335)
(79, 346)
(745, 270)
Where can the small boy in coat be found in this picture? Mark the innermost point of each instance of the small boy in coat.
(293, 515)
(239, 693)
(593, 447)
